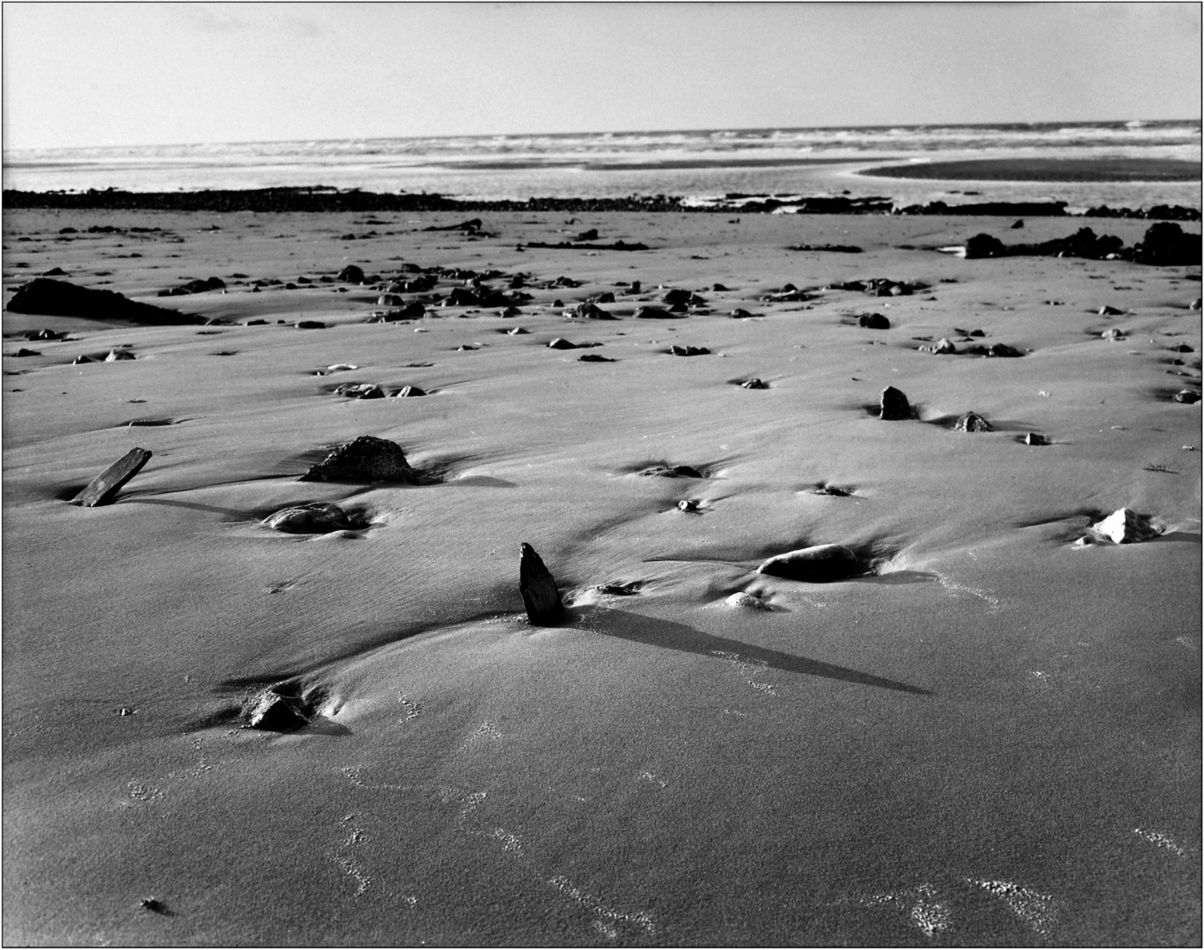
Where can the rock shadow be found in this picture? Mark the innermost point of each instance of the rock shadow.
(668, 635)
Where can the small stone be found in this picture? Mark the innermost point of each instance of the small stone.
(1194, 305)
(973, 422)
(873, 321)
(1125, 526)
(743, 598)
(594, 358)
(538, 588)
(352, 274)
(588, 310)
(1188, 397)
(654, 313)
(687, 505)
(754, 383)
(1003, 350)
(360, 391)
(310, 325)
(672, 471)
(1035, 438)
(741, 314)
(1113, 334)
(561, 344)
(366, 459)
(677, 350)
(943, 347)
(894, 405)
(116, 355)
(407, 392)
(274, 712)
(1107, 311)
(312, 518)
(817, 564)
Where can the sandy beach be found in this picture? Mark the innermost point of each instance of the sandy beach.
(987, 733)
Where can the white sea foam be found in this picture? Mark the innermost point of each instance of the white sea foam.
(617, 164)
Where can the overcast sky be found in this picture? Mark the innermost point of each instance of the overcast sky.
(149, 73)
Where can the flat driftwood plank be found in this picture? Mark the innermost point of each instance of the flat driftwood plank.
(104, 487)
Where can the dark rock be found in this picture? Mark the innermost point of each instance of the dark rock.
(414, 310)
(816, 565)
(408, 392)
(538, 588)
(943, 347)
(1188, 397)
(984, 245)
(588, 310)
(55, 272)
(1195, 304)
(25, 351)
(1125, 526)
(1035, 438)
(1182, 348)
(389, 300)
(677, 350)
(104, 487)
(311, 518)
(893, 405)
(310, 325)
(754, 383)
(1018, 223)
(1106, 311)
(352, 274)
(873, 321)
(655, 313)
(590, 235)
(365, 460)
(594, 358)
(1002, 349)
(82, 359)
(687, 505)
(973, 422)
(561, 344)
(672, 471)
(740, 314)
(118, 355)
(277, 710)
(60, 299)
(1166, 245)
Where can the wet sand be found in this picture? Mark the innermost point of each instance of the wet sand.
(990, 735)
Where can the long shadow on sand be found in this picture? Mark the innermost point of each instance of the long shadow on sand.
(676, 636)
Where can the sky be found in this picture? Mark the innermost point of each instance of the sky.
(98, 74)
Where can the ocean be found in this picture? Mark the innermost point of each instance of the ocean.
(696, 165)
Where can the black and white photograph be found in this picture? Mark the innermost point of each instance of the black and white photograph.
(614, 474)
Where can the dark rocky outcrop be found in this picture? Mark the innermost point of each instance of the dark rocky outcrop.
(58, 298)
(1165, 244)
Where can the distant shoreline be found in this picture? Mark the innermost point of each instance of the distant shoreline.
(326, 199)
(1051, 170)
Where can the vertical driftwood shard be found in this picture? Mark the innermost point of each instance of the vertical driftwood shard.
(538, 589)
(104, 487)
